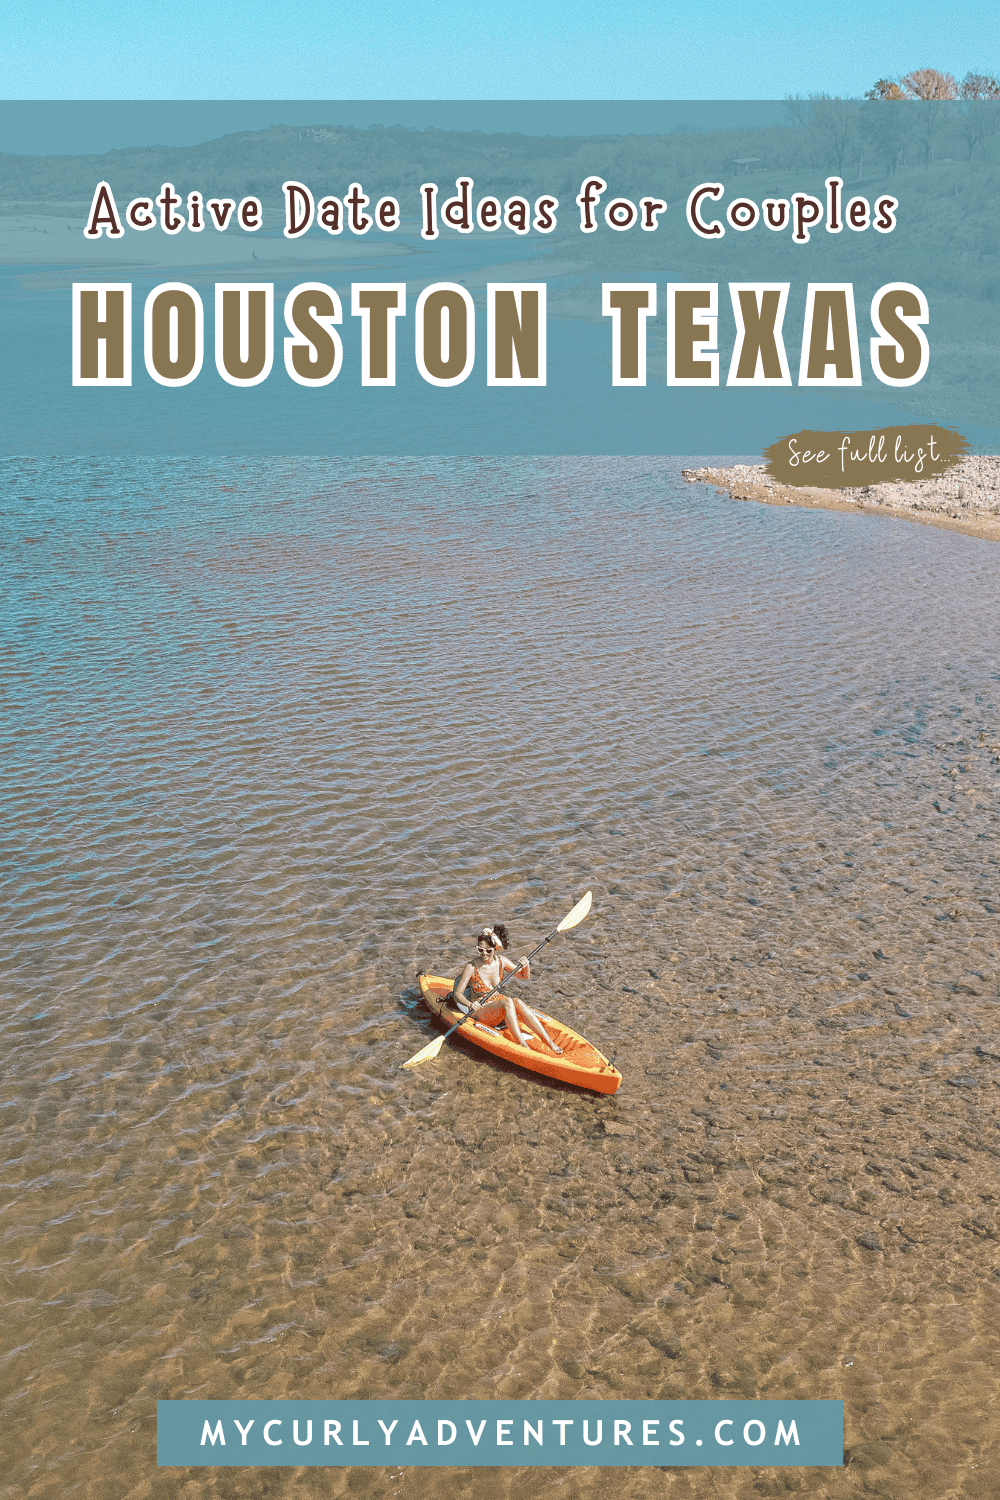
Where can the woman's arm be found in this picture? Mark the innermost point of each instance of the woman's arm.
(522, 969)
(463, 981)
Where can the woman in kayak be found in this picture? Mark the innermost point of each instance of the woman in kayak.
(486, 974)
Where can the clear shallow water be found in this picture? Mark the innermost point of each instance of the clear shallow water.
(275, 734)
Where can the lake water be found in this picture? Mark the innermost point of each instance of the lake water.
(276, 733)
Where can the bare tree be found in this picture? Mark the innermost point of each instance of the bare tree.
(832, 128)
(928, 83)
(979, 117)
(926, 127)
(977, 86)
(885, 88)
(799, 107)
(884, 131)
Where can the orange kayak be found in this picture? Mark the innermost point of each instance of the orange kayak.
(580, 1063)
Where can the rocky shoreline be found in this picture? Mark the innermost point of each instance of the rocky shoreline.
(966, 499)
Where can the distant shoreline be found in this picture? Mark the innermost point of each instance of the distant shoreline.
(966, 499)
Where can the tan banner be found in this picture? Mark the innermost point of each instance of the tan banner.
(850, 460)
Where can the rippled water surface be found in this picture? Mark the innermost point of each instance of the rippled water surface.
(275, 734)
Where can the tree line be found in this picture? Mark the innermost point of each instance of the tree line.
(855, 138)
(931, 83)
(847, 132)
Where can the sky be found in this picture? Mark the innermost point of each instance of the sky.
(466, 49)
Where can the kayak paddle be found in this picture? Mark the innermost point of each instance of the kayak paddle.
(571, 919)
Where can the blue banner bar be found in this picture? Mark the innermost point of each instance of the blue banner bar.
(654, 289)
(508, 1434)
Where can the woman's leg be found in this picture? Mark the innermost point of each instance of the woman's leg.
(510, 1010)
(492, 1013)
(527, 1014)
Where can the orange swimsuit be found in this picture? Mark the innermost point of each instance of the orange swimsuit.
(479, 985)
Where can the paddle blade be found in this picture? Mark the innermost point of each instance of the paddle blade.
(576, 916)
(426, 1053)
